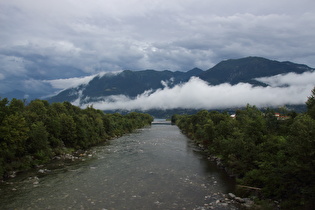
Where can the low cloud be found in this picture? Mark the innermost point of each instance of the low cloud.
(69, 83)
(62, 84)
(197, 94)
(290, 79)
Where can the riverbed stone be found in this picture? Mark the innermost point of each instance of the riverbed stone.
(240, 200)
(41, 171)
(231, 196)
(224, 204)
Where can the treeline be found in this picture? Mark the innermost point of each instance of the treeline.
(34, 133)
(263, 150)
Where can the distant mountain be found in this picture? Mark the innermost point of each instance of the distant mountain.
(16, 94)
(133, 83)
(245, 70)
(129, 83)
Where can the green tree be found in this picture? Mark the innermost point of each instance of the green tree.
(253, 124)
(302, 139)
(16, 106)
(31, 134)
(37, 111)
(209, 128)
(271, 121)
(53, 127)
(301, 162)
(310, 103)
(217, 117)
(4, 110)
(38, 144)
(13, 135)
(58, 108)
(68, 132)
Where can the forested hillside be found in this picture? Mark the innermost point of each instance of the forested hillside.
(129, 83)
(32, 134)
(245, 70)
(133, 83)
(273, 153)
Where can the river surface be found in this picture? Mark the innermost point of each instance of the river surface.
(156, 167)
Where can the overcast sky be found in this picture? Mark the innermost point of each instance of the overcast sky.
(49, 40)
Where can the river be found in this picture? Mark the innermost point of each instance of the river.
(156, 167)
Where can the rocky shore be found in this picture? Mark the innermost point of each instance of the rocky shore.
(226, 201)
(229, 198)
(56, 162)
(39, 171)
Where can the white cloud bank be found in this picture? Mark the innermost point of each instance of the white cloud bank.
(290, 79)
(197, 94)
(70, 82)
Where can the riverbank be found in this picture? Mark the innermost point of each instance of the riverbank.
(270, 158)
(58, 161)
(55, 162)
(34, 133)
(230, 198)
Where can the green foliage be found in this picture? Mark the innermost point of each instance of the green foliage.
(13, 135)
(68, 130)
(32, 134)
(310, 103)
(301, 156)
(38, 139)
(262, 151)
(4, 109)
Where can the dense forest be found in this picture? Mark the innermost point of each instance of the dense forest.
(272, 152)
(33, 134)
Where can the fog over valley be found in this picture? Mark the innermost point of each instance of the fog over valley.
(290, 89)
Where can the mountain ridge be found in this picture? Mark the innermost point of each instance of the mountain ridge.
(133, 83)
(249, 68)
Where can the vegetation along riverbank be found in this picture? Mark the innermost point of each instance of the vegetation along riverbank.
(272, 155)
(33, 134)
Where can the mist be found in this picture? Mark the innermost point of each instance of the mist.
(198, 94)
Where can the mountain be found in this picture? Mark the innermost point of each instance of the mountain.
(16, 94)
(129, 83)
(134, 83)
(245, 70)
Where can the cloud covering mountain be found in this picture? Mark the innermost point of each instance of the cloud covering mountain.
(62, 84)
(50, 40)
(198, 94)
(230, 83)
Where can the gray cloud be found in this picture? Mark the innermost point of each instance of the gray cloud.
(64, 39)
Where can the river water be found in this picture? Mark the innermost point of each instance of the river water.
(156, 167)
